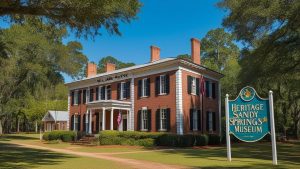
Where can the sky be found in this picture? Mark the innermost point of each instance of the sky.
(168, 24)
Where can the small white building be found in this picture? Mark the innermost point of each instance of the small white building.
(56, 120)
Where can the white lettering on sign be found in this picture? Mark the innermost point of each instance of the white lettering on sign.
(110, 78)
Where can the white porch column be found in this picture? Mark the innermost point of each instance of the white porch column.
(112, 119)
(179, 104)
(74, 122)
(130, 118)
(103, 118)
(90, 122)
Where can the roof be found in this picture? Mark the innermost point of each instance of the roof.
(158, 62)
(125, 69)
(54, 115)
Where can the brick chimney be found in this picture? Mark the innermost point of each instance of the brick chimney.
(110, 67)
(91, 70)
(196, 51)
(155, 53)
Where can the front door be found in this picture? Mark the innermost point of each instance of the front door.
(124, 124)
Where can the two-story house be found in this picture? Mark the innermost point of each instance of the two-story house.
(165, 95)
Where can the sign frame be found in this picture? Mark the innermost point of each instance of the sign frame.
(272, 124)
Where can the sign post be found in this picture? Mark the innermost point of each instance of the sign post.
(227, 129)
(249, 118)
(273, 138)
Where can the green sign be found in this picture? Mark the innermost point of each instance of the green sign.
(249, 116)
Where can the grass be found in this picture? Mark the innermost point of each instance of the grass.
(13, 156)
(244, 155)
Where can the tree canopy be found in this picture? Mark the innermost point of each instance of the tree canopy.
(111, 59)
(83, 16)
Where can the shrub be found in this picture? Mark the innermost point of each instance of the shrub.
(65, 136)
(214, 139)
(201, 140)
(147, 142)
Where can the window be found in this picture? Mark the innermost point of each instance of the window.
(123, 91)
(76, 122)
(108, 92)
(99, 93)
(193, 85)
(76, 97)
(144, 87)
(144, 120)
(88, 95)
(195, 120)
(84, 97)
(210, 121)
(163, 85)
(91, 95)
(163, 119)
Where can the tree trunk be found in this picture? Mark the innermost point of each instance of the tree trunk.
(18, 125)
(1, 132)
(36, 127)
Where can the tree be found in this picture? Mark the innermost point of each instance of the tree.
(111, 59)
(218, 47)
(84, 16)
(31, 63)
(271, 57)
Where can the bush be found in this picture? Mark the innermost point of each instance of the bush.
(214, 139)
(65, 136)
(201, 140)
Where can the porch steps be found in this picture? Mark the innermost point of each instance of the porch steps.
(86, 140)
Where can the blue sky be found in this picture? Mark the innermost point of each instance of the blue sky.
(168, 24)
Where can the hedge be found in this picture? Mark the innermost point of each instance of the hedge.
(65, 136)
(159, 139)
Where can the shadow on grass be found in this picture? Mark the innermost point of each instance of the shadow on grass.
(14, 156)
(9, 137)
(288, 155)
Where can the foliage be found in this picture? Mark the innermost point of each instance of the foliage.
(160, 139)
(65, 136)
(85, 17)
(30, 74)
(271, 58)
(111, 59)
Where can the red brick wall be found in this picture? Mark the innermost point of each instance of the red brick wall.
(155, 102)
(190, 101)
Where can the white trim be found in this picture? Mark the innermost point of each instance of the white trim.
(130, 127)
(179, 106)
(69, 105)
(197, 73)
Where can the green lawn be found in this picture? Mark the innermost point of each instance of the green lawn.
(12, 156)
(244, 155)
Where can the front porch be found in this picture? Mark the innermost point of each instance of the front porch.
(103, 115)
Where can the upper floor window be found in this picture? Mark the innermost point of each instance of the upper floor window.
(144, 87)
(76, 97)
(108, 92)
(193, 85)
(91, 95)
(162, 84)
(123, 90)
(211, 89)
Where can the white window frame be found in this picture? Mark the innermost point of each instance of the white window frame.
(99, 92)
(210, 122)
(163, 119)
(163, 86)
(193, 86)
(144, 87)
(76, 97)
(144, 120)
(122, 90)
(87, 95)
(195, 120)
(75, 122)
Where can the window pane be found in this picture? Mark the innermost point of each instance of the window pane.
(195, 120)
(163, 84)
(163, 119)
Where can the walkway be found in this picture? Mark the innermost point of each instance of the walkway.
(132, 163)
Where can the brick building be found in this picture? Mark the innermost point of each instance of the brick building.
(162, 95)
